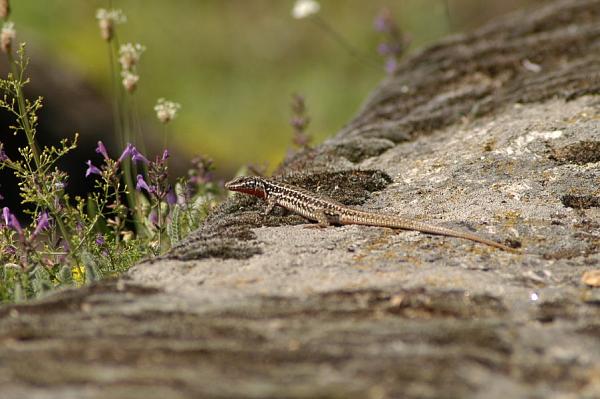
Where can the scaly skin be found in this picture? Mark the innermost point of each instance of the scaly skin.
(328, 212)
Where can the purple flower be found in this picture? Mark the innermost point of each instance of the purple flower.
(383, 21)
(101, 149)
(380, 24)
(3, 156)
(391, 65)
(66, 247)
(165, 154)
(153, 217)
(141, 184)
(100, 239)
(91, 169)
(126, 152)
(14, 223)
(299, 122)
(138, 156)
(43, 223)
(171, 196)
(384, 49)
(6, 215)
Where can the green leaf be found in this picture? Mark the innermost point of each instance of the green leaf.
(92, 272)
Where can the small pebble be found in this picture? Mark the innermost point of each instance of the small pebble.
(591, 278)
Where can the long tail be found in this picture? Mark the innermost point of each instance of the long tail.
(396, 222)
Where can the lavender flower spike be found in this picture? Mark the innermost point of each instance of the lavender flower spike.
(138, 156)
(91, 169)
(391, 65)
(43, 223)
(153, 217)
(3, 156)
(126, 152)
(101, 149)
(100, 239)
(141, 184)
(14, 223)
(171, 196)
(6, 215)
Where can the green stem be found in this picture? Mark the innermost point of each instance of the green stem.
(322, 24)
(123, 131)
(165, 136)
(131, 199)
(24, 119)
(159, 216)
(137, 129)
(115, 103)
(23, 115)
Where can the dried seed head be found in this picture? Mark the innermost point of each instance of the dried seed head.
(4, 9)
(165, 110)
(7, 36)
(107, 19)
(129, 55)
(130, 81)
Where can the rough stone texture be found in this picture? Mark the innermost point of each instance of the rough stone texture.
(467, 135)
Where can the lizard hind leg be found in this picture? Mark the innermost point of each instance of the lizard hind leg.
(322, 221)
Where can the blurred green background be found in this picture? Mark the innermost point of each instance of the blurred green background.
(233, 64)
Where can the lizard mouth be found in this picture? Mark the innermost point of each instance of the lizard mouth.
(252, 191)
(244, 188)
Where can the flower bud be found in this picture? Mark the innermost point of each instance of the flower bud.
(165, 110)
(130, 81)
(107, 19)
(4, 9)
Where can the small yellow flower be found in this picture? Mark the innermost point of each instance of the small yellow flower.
(78, 274)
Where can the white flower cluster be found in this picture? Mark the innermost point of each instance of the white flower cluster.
(305, 8)
(129, 57)
(165, 110)
(107, 19)
(130, 80)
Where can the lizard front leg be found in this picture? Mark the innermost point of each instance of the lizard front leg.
(270, 205)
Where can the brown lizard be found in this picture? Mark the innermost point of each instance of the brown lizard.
(328, 212)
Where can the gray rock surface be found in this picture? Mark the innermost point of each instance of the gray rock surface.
(466, 136)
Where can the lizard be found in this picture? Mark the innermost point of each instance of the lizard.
(326, 211)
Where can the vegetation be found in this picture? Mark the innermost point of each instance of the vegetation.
(134, 212)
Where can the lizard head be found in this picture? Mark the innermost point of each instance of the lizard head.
(248, 185)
